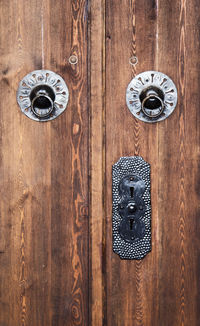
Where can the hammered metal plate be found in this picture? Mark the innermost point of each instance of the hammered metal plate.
(143, 81)
(139, 247)
(42, 77)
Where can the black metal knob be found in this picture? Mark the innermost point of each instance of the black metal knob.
(42, 100)
(152, 102)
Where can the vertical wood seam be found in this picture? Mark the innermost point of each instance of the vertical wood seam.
(104, 185)
(97, 163)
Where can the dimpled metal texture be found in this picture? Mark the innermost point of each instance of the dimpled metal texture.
(146, 80)
(134, 165)
(42, 77)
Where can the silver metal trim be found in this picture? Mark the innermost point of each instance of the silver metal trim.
(42, 77)
(151, 79)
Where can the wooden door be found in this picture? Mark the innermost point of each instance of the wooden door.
(57, 266)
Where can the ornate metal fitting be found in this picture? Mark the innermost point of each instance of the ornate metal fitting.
(151, 96)
(42, 95)
(131, 208)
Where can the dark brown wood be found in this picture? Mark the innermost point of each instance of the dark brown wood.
(44, 170)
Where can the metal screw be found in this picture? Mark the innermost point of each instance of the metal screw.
(133, 60)
(73, 59)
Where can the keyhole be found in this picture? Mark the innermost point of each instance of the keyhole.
(131, 223)
(131, 191)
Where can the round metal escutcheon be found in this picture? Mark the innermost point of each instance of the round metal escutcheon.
(42, 95)
(151, 96)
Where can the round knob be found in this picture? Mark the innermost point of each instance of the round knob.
(131, 207)
(42, 95)
(151, 96)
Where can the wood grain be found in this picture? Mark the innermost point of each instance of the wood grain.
(57, 266)
(44, 170)
(179, 161)
(97, 164)
(162, 288)
(132, 31)
(69, 166)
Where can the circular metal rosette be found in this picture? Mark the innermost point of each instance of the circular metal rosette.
(42, 95)
(151, 96)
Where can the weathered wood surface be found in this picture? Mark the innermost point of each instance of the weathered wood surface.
(44, 170)
(162, 289)
(97, 163)
(56, 261)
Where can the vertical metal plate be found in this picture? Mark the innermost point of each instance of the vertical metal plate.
(131, 210)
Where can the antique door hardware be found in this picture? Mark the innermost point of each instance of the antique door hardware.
(42, 95)
(131, 208)
(151, 96)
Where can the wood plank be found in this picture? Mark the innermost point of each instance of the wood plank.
(22, 217)
(162, 289)
(97, 164)
(66, 28)
(44, 170)
(132, 286)
(178, 161)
